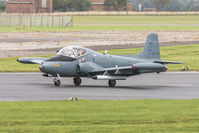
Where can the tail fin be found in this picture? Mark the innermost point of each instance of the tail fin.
(151, 48)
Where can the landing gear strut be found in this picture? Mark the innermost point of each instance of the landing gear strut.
(57, 82)
(77, 81)
(112, 83)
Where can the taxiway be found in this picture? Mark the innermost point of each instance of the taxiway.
(34, 87)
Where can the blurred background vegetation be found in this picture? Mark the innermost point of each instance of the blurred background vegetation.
(150, 5)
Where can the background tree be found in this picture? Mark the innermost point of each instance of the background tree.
(121, 4)
(82, 5)
(115, 4)
(193, 5)
(110, 4)
(71, 5)
(168, 5)
(161, 4)
(175, 5)
(148, 4)
(57, 6)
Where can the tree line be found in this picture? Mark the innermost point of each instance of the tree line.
(71, 5)
(159, 5)
(84, 5)
(115, 4)
(167, 5)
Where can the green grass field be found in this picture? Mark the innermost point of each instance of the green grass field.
(182, 53)
(189, 19)
(105, 28)
(139, 116)
(94, 23)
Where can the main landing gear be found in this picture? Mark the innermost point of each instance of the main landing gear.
(57, 82)
(112, 83)
(77, 81)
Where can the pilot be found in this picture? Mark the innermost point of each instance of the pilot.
(80, 53)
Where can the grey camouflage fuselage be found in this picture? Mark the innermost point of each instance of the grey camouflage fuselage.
(76, 61)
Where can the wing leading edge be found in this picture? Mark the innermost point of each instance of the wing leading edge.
(31, 60)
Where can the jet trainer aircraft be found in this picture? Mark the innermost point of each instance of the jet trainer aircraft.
(77, 62)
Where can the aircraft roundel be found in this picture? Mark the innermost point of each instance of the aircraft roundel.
(149, 51)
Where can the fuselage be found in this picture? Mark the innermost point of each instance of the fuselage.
(76, 62)
(69, 68)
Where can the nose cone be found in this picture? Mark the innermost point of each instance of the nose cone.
(41, 67)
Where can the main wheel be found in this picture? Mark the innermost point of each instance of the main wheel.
(112, 83)
(77, 81)
(57, 82)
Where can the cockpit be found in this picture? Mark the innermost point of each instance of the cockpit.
(73, 52)
(70, 53)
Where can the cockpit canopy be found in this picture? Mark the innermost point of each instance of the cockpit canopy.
(72, 51)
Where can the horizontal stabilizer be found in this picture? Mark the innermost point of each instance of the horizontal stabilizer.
(168, 62)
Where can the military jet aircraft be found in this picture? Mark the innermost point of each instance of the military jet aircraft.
(77, 62)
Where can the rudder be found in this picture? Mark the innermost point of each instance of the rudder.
(151, 48)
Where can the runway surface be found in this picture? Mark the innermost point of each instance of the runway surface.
(32, 86)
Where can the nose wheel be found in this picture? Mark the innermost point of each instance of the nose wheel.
(112, 83)
(77, 81)
(57, 82)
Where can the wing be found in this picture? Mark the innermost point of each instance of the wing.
(130, 70)
(111, 69)
(31, 60)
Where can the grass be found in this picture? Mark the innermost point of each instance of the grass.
(104, 28)
(182, 53)
(109, 22)
(11, 65)
(142, 116)
(189, 19)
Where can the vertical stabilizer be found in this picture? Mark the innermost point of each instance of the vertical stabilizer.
(151, 48)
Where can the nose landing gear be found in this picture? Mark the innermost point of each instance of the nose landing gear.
(57, 82)
(77, 81)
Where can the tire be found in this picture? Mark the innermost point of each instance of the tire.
(77, 81)
(112, 83)
(57, 83)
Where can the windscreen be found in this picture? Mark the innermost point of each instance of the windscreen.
(73, 52)
(67, 52)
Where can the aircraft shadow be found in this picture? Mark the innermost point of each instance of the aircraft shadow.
(137, 87)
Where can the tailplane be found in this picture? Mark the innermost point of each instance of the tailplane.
(151, 48)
